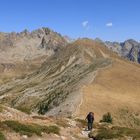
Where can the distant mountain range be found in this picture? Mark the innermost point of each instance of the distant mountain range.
(40, 38)
(27, 50)
(28, 45)
(129, 49)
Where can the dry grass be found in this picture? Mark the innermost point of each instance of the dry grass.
(29, 129)
(81, 123)
(62, 122)
(115, 132)
(115, 87)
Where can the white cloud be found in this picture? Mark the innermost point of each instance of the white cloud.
(110, 24)
(85, 24)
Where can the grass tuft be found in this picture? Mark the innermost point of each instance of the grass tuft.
(107, 118)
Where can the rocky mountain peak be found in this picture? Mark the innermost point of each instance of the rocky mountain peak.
(35, 46)
(41, 36)
(132, 41)
(129, 49)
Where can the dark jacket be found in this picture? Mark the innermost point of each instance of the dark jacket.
(90, 117)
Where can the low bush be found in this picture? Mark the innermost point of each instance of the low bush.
(107, 118)
(43, 109)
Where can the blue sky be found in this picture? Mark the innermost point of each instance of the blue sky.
(114, 20)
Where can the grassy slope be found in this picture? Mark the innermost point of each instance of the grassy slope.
(116, 89)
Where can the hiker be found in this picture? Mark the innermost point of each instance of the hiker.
(90, 119)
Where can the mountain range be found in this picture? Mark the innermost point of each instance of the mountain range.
(45, 75)
(129, 49)
(27, 50)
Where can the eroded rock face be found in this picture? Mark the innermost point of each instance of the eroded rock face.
(28, 49)
(129, 49)
(41, 36)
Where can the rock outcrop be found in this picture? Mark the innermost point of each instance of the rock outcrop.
(27, 50)
(129, 49)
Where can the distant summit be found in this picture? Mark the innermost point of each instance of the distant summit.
(27, 50)
(34, 38)
(26, 45)
(129, 49)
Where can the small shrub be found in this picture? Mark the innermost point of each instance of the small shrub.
(2, 137)
(43, 109)
(107, 118)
